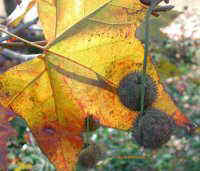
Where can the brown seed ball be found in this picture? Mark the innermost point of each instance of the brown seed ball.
(153, 129)
(129, 91)
(91, 155)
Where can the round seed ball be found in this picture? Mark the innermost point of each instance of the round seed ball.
(91, 155)
(153, 129)
(129, 91)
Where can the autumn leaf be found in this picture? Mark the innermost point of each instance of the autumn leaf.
(119, 53)
(6, 131)
(78, 75)
(58, 16)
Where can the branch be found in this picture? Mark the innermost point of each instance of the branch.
(21, 44)
(18, 28)
(146, 50)
(15, 55)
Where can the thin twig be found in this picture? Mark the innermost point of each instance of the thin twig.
(23, 40)
(21, 44)
(18, 28)
(146, 49)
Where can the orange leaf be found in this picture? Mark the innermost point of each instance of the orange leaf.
(30, 91)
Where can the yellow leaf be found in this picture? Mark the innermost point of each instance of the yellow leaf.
(60, 15)
(50, 111)
(120, 12)
(55, 92)
(96, 44)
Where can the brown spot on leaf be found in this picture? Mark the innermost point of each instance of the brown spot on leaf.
(49, 130)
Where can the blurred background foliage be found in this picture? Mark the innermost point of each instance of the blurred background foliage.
(178, 64)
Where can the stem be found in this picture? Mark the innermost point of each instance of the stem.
(20, 44)
(146, 49)
(87, 130)
(23, 40)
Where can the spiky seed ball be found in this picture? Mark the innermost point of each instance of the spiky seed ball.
(153, 129)
(91, 155)
(129, 91)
